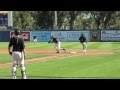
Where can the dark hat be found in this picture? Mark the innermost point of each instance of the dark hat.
(81, 33)
(17, 32)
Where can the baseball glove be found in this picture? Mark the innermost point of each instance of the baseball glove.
(49, 41)
(10, 53)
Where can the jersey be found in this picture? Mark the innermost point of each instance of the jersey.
(17, 42)
(82, 39)
(34, 37)
(55, 40)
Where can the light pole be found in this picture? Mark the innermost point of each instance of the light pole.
(55, 22)
(10, 19)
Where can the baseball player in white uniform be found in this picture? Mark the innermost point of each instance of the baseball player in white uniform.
(57, 44)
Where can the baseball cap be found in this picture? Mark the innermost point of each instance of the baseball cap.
(17, 32)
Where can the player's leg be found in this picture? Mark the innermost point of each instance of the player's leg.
(14, 66)
(56, 47)
(84, 46)
(36, 40)
(59, 46)
(22, 66)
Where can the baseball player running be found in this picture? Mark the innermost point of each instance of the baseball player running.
(83, 42)
(17, 53)
(57, 44)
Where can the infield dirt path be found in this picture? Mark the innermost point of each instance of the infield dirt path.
(52, 55)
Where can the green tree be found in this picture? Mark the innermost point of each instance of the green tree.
(102, 18)
(44, 19)
(23, 20)
(62, 17)
(72, 18)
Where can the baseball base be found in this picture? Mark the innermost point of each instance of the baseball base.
(73, 52)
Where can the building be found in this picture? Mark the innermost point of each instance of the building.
(3, 18)
(6, 21)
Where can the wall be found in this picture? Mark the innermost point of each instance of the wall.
(65, 36)
(4, 36)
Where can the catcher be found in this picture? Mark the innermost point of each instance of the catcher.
(57, 44)
(17, 53)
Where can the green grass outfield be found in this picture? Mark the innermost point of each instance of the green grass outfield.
(80, 67)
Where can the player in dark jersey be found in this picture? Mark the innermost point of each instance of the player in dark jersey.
(35, 39)
(18, 53)
(57, 44)
(83, 42)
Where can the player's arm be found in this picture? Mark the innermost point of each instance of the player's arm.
(23, 48)
(79, 38)
(24, 53)
(9, 50)
(9, 46)
(85, 39)
(51, 41)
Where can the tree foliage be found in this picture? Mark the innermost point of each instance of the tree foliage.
(66, 20)
(23, 20)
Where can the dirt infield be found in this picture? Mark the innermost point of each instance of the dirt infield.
(53, 55)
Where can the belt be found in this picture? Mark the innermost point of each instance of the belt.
(17, 51)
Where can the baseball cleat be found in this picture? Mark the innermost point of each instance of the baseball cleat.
(64, 50)
(84, 51)
(57, 52)
(14, 77)
(24, 77)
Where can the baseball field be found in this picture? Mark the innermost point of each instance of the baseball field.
(101, 61)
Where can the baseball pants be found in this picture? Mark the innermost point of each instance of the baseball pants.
(84, 45)
(58, 46)
(18, 59)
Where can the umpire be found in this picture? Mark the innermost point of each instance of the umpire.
(17, 53)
